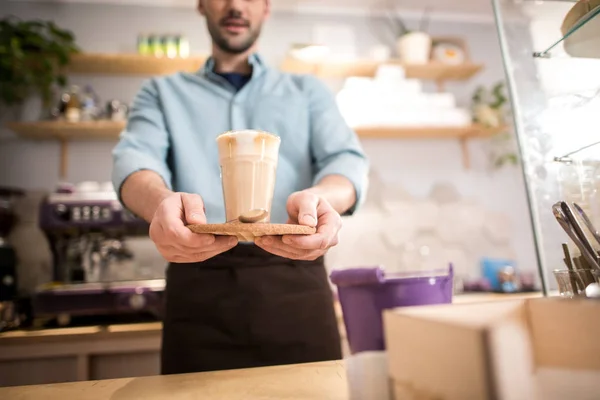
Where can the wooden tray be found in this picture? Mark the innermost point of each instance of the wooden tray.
(248, 232)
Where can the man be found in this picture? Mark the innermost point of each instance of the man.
(229, 305)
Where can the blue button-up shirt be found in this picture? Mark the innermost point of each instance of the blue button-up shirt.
(175, 120)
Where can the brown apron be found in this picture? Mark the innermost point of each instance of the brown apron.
(247, 308)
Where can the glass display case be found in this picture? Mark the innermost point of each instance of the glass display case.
(551, 55)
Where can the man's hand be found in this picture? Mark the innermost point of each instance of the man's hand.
(175, 241)
(306, 208)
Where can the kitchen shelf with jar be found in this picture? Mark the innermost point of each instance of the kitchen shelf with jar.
(141, 64)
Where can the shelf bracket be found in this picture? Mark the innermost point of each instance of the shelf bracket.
(64, 160)
(440, 85)
(464, 147)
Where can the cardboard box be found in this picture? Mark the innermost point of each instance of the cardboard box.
(546, 348)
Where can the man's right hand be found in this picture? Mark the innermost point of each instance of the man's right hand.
(175, 241)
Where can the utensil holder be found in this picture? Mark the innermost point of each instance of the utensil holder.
(580, 278)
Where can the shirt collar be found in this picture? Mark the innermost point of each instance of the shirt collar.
(255, 60)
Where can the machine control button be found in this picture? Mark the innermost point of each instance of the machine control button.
(62, 212)
(86, 211)
(137, 301)
(8, 280)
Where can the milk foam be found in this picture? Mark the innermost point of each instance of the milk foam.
(248, 142)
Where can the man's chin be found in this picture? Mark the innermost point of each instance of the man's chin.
(235, 48)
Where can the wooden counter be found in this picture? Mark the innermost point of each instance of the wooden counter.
(31, 357)
(318, 381)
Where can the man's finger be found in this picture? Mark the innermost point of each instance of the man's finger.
(274, 245)
(196, 241)
(189, 255)
(182, 236)
(280, 253)
(222, 245)
(307, 209)
(193, 209)
(322, 239)
(218, 242)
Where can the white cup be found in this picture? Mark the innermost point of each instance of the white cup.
(367, 374)
(414, 48)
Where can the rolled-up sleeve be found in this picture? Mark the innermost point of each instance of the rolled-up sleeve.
(144, 144)
(334, 145)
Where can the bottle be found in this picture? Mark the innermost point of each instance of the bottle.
(73, 108)
(89, 104)
(170, 46)
(183, 46)
(156, 48)
(143, 45)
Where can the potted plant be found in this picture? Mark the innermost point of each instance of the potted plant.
(32, 57)
(490, 108)
(412, 46)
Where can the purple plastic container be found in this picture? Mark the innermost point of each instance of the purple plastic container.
(365, 292)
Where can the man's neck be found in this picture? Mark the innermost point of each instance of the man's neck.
(232, 63)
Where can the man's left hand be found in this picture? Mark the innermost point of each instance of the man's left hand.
(306, 208)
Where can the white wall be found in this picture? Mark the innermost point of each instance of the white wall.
(415, 165)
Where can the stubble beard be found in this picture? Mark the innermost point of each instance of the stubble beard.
(222, 43)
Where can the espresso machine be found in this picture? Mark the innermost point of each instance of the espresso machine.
(104, 264)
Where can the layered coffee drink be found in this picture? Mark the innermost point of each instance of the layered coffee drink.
(248, 160)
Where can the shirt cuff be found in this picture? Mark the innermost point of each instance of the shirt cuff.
(352, 168)
(128, 162)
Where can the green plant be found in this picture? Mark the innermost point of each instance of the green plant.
(391, 26)
(490, 109)
(32, 57)
(398, 26)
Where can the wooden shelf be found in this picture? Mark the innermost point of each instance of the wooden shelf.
(434, 132)
(65, 131)
(135, 64)
(434, 71)
(463, 134)
(108, 130)
(131, 64)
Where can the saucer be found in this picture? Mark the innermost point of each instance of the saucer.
(248, 232)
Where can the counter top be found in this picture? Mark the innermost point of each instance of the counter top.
(92, 332)
(318, 381)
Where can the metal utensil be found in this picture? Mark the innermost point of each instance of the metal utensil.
(568, 228)
(575, 284)
(588, 222)
(574, 222)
